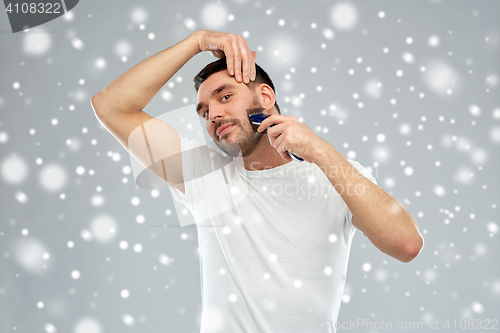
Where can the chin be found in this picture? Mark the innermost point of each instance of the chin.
(229, 148)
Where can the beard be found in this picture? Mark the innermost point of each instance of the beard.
(246, 140)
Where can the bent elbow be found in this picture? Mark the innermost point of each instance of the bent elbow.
(413, 248)
(94, 103)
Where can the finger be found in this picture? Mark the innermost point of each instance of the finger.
(283, 151)
(253, 70)
(246, 66)
(237, 61)
(277, 141)
(245, 59)
(229, 60)
(281, 146)
(272, 119)
(276, 132)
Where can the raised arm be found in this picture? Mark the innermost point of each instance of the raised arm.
(119, 106)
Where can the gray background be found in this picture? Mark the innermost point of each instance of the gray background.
(448, 113)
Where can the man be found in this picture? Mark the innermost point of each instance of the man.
(276, 233)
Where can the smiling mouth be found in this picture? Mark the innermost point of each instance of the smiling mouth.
(224, 129)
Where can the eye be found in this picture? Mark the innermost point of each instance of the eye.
(225, 97)
(205, 114)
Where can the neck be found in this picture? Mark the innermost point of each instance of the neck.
(263, 157)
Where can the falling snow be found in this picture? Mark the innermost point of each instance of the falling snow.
(415, 101)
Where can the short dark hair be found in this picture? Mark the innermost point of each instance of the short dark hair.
(219, 65)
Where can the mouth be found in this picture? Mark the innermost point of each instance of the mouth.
(224, 129)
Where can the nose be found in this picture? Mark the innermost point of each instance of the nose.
(215, 112)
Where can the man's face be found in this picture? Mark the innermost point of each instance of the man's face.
(225, 105)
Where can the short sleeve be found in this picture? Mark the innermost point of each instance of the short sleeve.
(203, 170)
(365, 172)
(187, 145)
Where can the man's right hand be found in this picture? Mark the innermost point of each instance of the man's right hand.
(240, 60)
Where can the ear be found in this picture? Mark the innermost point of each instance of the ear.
(266, 96)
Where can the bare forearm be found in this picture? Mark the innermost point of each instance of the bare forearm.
(388, 225)
(134, 89)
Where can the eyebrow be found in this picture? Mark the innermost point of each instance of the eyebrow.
(214, 92)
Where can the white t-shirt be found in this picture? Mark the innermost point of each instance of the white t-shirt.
(273, 245)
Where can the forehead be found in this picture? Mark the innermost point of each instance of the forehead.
(213, 82)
